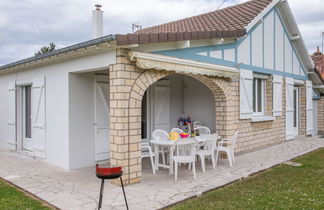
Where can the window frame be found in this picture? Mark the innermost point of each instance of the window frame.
(255, 96)
(27, 132)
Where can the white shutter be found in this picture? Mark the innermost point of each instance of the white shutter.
(309, 108)
(277, 95)
(38, 117)
(289, 108)
(12, 138)
(246, 91)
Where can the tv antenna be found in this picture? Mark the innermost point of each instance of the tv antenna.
(136, 26)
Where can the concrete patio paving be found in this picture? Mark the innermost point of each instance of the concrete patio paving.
(78, 189)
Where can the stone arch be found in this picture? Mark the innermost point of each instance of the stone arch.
(127, 87)
(219, 88)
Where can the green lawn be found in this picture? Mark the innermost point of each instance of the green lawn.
(13, 199)
(282, 187)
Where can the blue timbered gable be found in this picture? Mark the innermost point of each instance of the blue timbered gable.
(267, 48)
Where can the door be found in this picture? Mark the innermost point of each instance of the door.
(162, 108)
(101, 121)
(26, 118)
(296, 110)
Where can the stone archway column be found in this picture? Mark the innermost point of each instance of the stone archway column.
(125, 133)
(302, 109)
(127, 86)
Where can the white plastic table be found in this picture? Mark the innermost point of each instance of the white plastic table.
(168, 144)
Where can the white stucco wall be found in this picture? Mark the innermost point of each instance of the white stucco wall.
(177, 102)
(58, 149)
(199, 102)
(56, 110)
(81, 120)
(257, 46)
(189, 97)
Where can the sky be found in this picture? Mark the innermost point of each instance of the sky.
(27, 25)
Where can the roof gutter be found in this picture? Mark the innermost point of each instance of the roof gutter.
(75, 47)
(294, 33)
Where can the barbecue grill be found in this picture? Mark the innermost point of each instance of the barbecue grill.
(109, 173)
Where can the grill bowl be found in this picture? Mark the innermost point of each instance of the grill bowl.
(108, 172)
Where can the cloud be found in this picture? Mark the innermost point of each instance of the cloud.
(27, 25)
(309, 16)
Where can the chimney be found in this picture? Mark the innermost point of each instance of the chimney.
(318, 52)
(97, 22)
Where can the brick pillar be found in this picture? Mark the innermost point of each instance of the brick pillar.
(124, 144)
(269, 97)
(284, 108)
(232, 109)
(302, 110)
(320, 116)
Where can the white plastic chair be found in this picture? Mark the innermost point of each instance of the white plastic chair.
(147, 152)
(228, 146)
(185, 152)
(197, 124)
(208, 150)
(177, 130)
(203, 132)
(160, 135)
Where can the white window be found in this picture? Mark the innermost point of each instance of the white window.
(258, 96)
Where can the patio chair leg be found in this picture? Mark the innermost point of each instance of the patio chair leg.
(163, 156)
(101, 193)
(233, 159)
(213, 160)
(202, 160)
(152, 161)
(175, 171)
(194, 169)
(121, 182)
(229, 156)
(217, 154)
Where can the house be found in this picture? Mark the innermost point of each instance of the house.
(318, 59)
(242, 68)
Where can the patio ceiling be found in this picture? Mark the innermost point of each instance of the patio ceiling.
(160, 62)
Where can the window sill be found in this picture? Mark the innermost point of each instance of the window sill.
(262, 118)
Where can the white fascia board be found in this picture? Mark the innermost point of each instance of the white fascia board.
(162, 58)
(261, 15)
(293, 30)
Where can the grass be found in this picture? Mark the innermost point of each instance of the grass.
(12, 198)
(281, 187)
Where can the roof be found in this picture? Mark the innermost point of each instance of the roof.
(225, 23)
(60, 51)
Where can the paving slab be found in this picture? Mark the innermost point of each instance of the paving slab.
(79, 189)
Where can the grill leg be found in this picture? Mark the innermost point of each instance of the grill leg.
(101, 193)
(121, 181)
